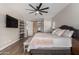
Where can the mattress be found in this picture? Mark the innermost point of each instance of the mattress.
(49, 41)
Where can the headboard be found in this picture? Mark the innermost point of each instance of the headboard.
(76, 31)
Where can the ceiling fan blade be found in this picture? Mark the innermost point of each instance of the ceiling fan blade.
(45, 8)
(39, 6)
(44, 11)
(30, 10)
(32, 6)
(35, 13)
(40, 13)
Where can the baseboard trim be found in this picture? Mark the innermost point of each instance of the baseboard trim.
(6, 45)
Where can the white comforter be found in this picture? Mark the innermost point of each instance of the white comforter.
(47, 40)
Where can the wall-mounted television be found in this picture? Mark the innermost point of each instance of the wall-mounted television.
(11, 22)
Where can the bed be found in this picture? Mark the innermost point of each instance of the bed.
(46, 43)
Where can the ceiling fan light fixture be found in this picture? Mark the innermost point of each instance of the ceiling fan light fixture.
(37, 12)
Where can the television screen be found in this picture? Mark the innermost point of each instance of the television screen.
(11, 22)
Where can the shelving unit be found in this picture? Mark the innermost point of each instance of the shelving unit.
(21, 27)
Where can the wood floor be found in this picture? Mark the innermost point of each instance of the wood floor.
(17, 48)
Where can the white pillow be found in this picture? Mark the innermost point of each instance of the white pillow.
(58, 32)
(67, 33)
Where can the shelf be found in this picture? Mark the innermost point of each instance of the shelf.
(21, 25)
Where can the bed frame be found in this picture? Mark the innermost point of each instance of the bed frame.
(50, 52)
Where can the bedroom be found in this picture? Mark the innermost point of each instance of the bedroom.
(58, 14)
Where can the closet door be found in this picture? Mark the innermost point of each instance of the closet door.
(35, 27)
(40, 26)
(30, 28)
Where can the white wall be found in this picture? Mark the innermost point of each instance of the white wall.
(47, 24)
(7, 35)
(55, 8)
(68, 16)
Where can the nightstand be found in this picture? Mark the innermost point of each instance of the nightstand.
(75, 47)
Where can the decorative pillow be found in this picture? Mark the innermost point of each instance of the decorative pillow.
(68, 33)
(58, 32)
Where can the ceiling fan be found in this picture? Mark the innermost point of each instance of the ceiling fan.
(38, 9)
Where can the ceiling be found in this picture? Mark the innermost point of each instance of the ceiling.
(19, 9)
